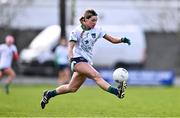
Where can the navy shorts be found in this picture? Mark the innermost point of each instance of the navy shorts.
(76, 60)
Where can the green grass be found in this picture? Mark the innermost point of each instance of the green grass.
(23, 101)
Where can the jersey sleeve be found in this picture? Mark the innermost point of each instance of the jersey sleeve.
(15, 53)
(14, 48)
(73, 36)
(101, 33)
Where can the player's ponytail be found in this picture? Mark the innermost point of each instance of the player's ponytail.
(82, 19)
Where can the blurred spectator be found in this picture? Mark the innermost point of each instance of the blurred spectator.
(8, 54)
(61, 60)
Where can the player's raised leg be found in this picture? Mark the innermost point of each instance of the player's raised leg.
(88, 70)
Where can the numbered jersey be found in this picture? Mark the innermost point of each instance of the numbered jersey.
(85, 40)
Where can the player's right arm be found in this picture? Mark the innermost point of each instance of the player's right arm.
(15, 56)
(15, 53)
(71, 45)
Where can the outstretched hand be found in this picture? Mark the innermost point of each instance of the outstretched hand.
(126, 40)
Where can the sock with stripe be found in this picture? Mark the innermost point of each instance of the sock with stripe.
(113, 90)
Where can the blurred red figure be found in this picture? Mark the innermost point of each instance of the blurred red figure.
(8, 54)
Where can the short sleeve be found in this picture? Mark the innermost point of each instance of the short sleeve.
(101, 33)
(14, 48)
(73, 36)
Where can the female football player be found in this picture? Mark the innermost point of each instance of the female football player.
(8, 53)
(81, 42)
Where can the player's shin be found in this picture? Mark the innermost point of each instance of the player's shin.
(113, 90)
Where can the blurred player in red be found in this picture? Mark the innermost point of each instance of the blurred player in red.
(8, 54)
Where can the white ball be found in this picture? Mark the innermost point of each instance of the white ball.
(120, 74)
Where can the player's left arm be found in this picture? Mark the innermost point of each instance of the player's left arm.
(117, 40)
(15, 54)
(71, 45)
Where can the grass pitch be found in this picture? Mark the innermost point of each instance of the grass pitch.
(23, 101)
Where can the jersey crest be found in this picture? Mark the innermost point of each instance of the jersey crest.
(93, 35)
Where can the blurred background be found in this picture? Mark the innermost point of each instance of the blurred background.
(152, 25)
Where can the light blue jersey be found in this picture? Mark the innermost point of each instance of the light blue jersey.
(61, 55)
(85, 40)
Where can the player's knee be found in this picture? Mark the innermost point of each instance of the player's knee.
(96, 75)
